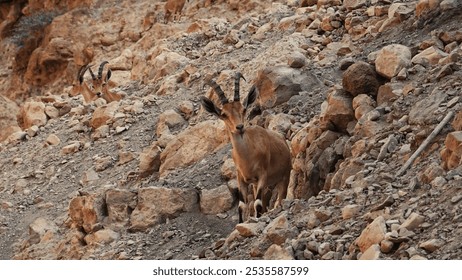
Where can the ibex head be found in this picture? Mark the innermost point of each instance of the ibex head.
(232, 113)
(98, 83)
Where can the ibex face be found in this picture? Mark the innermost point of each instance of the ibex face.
(231, 113)
(98, 86)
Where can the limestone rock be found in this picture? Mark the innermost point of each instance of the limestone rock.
(119, 204)
(156, 204)
(276, 252)
(338, 112)
(372, 253)
(374, 233)
(104, 236)
(39, 227)
(391, 59)
(149, 160)
(33, 113)
(429, 56)
(413, 221)
(217, 200)
(192, 145)
(87, 211)
(250, 229)
(8, 112)
(103, 114)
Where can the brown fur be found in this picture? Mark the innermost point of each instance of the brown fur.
(261, 156)
(173, 7)
(97, 87)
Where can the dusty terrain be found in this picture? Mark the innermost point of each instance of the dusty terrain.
(161, 67)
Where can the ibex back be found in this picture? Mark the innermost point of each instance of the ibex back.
(261, 156)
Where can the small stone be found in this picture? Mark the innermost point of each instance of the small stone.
(372, 253)
(432, 245)
(413, 221)
(53, 140)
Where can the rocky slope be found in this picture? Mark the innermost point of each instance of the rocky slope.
(355, 86)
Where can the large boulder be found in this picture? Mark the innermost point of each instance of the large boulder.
(193, 144)
(155, 205)
(360, 78)
(392, 59)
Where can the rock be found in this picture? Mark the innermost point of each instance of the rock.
(228, 169)
(87, 212)
(187, 108)
(192, 145)
(354, 4)
(422, 112)
(429, 56)
(104, 236)
(360, 78)
(391, 59)
(32, 131)
(388, 93)
(8, 122)
(39, 227)
(32, 113)
(119, 204)
(276, 85)
(372, 253)
(103, 114)
(276, 252)
(425, 6)
(338, 111)
(89, 177)
(156, 204)
(350, 211)
(374, 233)
(363, 104)
(169, 120)
(413, 221)
(250, 229)
(53, 140)
(52, 112)
(278, 230)
(217, 200)
(280, 123)
(149, 160)
(71, 148)
(296, 60)
(432, 245)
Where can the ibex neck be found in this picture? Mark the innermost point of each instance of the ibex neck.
(239, 142)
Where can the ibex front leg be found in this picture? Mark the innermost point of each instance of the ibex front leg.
(243, 194)
(260, 203)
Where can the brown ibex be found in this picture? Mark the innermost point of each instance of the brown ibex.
(261, 156)
(99, 85)
(173, 7)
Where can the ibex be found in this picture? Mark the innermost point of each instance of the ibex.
(261, 156)
(173, 7)
(98, 87)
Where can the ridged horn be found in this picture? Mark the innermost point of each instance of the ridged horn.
(81, 72)
(100, 70)
(236, 85)
(217, 89)
(91, 72)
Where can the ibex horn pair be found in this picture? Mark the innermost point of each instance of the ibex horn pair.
(84, 69)
(220, 92)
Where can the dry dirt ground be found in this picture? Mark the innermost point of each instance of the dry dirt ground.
(36, 181)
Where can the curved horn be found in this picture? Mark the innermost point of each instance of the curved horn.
(236, 85)
(217, 89)
(81, 72)
(100, 70)
(91, 72)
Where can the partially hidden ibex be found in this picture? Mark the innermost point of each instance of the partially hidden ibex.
(173, 7)
(261, 156)
(98, 86)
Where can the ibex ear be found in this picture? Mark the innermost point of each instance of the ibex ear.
(251, 97)
(210, 107)
(108, 75)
